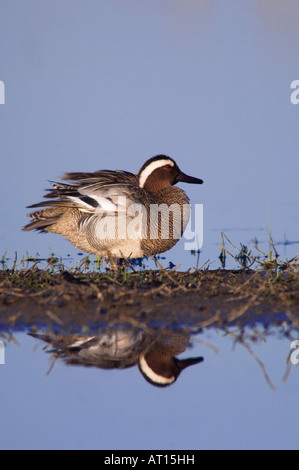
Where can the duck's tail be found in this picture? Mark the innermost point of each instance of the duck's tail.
(44, 219)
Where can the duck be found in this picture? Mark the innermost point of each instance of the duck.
(154, 352)
(118, 214)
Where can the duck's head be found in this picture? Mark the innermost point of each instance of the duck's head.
(160, 172)
(162, 369)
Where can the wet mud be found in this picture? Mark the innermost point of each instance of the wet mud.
(199, 298)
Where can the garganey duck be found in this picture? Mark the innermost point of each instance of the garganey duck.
(117, 213)
(154, 351)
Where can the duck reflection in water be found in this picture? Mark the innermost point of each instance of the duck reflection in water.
(153, 351)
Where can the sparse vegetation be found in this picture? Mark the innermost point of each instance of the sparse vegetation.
(35, 289)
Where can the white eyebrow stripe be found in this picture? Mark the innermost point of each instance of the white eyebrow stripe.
(159, 379)
(152, 167)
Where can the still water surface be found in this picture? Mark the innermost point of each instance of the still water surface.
(241, 395)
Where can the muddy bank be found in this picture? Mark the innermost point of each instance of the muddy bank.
(161, 297)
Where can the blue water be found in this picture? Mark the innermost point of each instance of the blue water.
(224, 402)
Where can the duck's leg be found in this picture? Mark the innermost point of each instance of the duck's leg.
(113, 262)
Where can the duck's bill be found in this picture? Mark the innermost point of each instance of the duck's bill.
(183, 363)
(188, 179)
